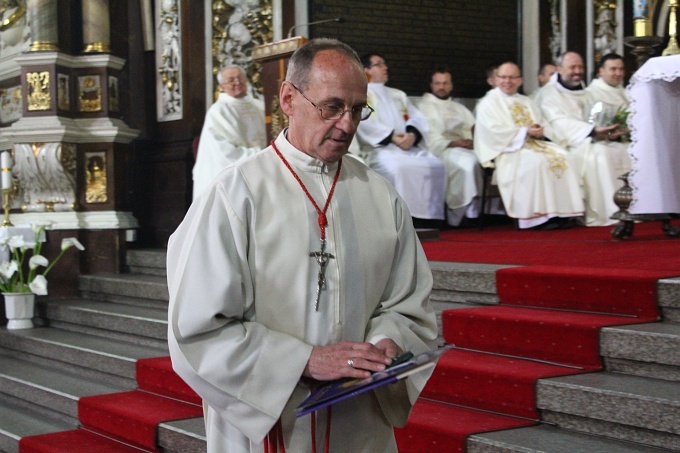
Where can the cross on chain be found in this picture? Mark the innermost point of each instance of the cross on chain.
(322, 259)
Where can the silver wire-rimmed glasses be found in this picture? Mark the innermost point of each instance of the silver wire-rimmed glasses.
(335, 111)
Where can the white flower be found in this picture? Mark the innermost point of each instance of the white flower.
(70, 242)
(16, 242)
(39, 227)
(7, 269)
(37, 260)
(39, 285)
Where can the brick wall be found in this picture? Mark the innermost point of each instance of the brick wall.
(414, 36)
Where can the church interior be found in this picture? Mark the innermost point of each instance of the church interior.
(566, 341)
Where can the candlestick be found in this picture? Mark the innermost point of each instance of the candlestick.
(6, 205)
(672, 48)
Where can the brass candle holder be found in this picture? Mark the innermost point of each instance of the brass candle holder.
(7, 195)
(672, 48)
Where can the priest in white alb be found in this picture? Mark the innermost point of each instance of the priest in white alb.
(450, 139)
(608, 89)
(600, 158)
(296, 267)
(536, 178)
(394, 139)
(233, 128)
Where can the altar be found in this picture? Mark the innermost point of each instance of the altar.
(654, 120)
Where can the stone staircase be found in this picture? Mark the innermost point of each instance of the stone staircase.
(89, 346)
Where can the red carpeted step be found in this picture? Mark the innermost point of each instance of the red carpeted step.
(77, 440)
(132, 417)
(615, 291)
(551, 335)
(156, 375)
(490, 382)
(437, 427)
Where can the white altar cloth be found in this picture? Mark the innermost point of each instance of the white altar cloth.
(654, 120)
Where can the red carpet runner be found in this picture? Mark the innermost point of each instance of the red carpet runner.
(547, 325)
(129, 417)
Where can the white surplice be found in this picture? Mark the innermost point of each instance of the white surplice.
(242, 289)
(600, 163)
(233, 129)
(613, 98)
(449, 121)
(536, 178)
(417, 174)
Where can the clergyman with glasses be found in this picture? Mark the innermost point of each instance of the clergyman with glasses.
(234, 128)
(395, 143)
(297, 266)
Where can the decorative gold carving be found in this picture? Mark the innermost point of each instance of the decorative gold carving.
(96, 181)
(89, 94)
(279, 120)
(39, 97)
(605, 28)
(237, 30)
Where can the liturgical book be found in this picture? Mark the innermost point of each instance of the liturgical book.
(335, 391)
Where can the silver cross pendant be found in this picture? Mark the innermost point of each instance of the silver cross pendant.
(322, 259)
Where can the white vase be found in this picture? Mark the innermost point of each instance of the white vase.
(19, 310)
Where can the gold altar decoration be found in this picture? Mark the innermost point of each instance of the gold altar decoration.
(235, 32)
(672, 48)
(39, 97)
(95, 181)
(89, 94)
(279, 120)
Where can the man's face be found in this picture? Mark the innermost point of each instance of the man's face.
(571, 70)
(612, 72)
(441, 85)
(233, 83)
(509, 78)
(544, 76)
(378, 71)
(334, 79)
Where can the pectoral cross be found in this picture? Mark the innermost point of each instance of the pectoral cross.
(322, 260)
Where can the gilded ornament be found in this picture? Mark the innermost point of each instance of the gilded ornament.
(14, 9)
(39, 97)
(96, 181)
(90, 94)
(279, 120)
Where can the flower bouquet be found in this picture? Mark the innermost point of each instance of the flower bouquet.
(13, 275)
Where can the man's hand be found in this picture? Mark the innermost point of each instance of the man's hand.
(608, 132)
(403, 140)
(535, 131)
(327, 363)
(461, 143)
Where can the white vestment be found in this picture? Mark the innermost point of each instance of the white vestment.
(418, 175)
(536, 178)
(613, 98)
(233, 129)
(600, 163)
(242, 286)
(449, 121)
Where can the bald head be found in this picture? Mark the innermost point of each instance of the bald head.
(571, 69)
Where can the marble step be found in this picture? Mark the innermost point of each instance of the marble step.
(668, 291)
(131, 289)
(550, 439)
(651, 350)
(632, 408)
(55, 391)
(95, 357)
(464, 282)
(182, 436)
(17, 422)
(147, 261)
(140, 325)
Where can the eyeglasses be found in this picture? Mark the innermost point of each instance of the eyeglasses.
(335, 111)
(379, 64)
(508, 77)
